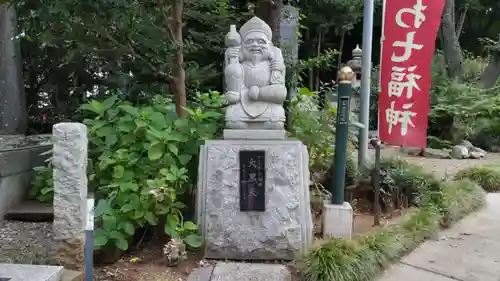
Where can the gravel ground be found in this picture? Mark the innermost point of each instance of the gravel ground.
(443, 168)
(26, 242)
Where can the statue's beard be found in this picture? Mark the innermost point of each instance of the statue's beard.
(256, 55)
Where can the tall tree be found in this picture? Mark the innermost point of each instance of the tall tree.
(13, 111)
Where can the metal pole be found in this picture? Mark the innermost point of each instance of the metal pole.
(376, 182)
(89, 240)
(342, 132)
(366, 70)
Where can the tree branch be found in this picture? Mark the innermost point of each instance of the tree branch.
(130, 49)
(166, 19)
(461, 21)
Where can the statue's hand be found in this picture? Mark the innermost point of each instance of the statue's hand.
(234, 52)
(254, 93)
(232, 97)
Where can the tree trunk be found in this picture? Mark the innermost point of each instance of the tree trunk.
(270, 12)
(263, 10)
(318, 53)
(275, 21)
(451, 46)
(179, 75)
(491, 73)
(13, 111)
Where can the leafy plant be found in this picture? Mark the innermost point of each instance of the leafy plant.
(42, 188)
(42, 185)
(142, 155)
(315, 128)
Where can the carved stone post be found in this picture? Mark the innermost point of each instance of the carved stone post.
(70, 192)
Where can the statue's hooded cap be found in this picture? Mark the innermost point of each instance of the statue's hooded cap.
(256, 24)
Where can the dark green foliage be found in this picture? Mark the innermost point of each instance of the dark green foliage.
(79, 47)
(434, 142)
(462, 109)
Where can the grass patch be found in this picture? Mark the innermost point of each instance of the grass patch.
(364, 257)
(460, 198)
(487, 177)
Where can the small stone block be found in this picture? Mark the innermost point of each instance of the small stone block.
(230, 271)
(24, 272)
(337, 220)
(201, 274)
(254, 134)
(71, 275)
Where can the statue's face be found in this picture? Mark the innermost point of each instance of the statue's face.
(256, 46)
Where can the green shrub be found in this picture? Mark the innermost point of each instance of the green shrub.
(143, 155)
(487, 177)
(366, 256)
(315, 128)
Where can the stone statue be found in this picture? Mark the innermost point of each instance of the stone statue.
(254, 78)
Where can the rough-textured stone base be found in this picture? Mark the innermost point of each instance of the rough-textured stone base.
(254, 134)
(337, 220)
(69, 253)
(283, 230)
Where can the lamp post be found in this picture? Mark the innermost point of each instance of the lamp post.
(346, 75)
(364, 112)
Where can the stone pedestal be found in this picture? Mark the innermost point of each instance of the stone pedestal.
(254, 134)
(337, 220)
(283, 230)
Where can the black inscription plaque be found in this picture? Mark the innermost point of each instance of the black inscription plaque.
(343, 108)
(252, 180)
(4, 279)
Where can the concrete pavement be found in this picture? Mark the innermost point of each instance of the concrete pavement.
(469, 251)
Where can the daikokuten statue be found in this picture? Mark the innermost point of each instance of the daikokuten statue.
(254, 77)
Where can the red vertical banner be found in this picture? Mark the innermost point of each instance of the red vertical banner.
(409, 35)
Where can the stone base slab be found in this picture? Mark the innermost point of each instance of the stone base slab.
(225, 271)
(254, 134)
(337, 220)
(283, 230)
(229, 271)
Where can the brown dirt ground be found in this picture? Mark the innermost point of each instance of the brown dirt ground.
(147, 263)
